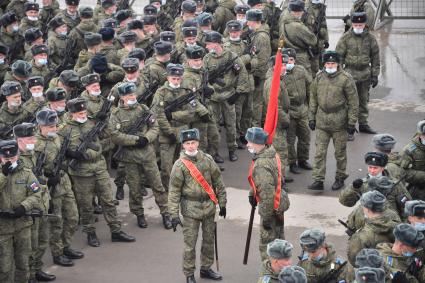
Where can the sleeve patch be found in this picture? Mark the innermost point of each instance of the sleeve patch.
(34, 187)
(266, 279)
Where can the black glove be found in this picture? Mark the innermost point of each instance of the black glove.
(248, 67)
(400, 277)
(142, 142)
(205, 118)
(50, 210)
(208, 92)
(175, 222)
(19, 211)
(52, 181)
(172, 137)
(231, 100)
(168, 115)
(252, 201)
(374, 81)
(6, 168)
(326, 45)
(101, 116)
(222, 212)
(358, 183)
(346, 18)
(74, 154)
(351, 129)
(312, 125)
(267, 224)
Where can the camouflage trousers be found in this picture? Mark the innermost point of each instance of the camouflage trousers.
(323, 138)
(281, 146)
(15, 248)
(39, 244)
(62, 228)
(315, 65)
(266, 236)
(85, 189)
(169, 154)
(244, 112)
(229, 114)
(136, 174)
(190, 237)
(120, 175)
(258, 101)
(213, 136)
(363, 92)
(298, 129)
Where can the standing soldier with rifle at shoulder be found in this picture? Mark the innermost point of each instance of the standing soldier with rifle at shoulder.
(134, 128)
(266, 188)
(62, 199)
(196, 188)
(20, 192)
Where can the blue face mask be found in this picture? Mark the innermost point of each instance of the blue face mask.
(42, 61)
(407, 254)
(290, 66)
(318, 258)
(423, 141)
(420, 226)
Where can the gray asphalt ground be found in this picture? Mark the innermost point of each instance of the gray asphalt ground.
(396, 106)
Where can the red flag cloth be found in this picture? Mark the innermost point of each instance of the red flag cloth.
(272, 113)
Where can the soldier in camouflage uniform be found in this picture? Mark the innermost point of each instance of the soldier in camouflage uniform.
(294, 274)
(400, 256)
(10, 36)
(123, 17)
(223, 14)
(155, 72)
(37, 101)
(151, 28)
(333, 107)
(364, 6)
(93, 42)
(244, 104)
(413, 162)
(128, 41)
(90, 176)
(385, 143)
(359, 52)
(143, 41)
(69, 81)
(57, 40)
(56, 101)
(319, 258)
(31, 19)
(108, 48)
(240, 11)
(62, 203)
(33, 36)
(138, 154)
(415, 213)
(40, 62)
(18, 7)
(261, 50)
(205, 26)
(49, 10)
(108, 9)
(20, 72)
(70, 14)
(372, 258)
(371, 275)
(279, 253)
(20, 193)
(266, 183)
(4, 63)
(197, 203)
(233, 85)
(297, 85)
(188, 9)
(189, 40)
(297, 35)
(378, 228)
(12, 111)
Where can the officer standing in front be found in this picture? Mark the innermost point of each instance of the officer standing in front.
(197, 198)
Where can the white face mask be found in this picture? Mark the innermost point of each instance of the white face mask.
(30, 146)
(191, 44)
(358, 30)
(14, 165)
(290, 66)
(15, 104)
(131, 102)
(251, 150)
(316, 1)
(132, 80)
(377, 176)
(242, 21)
(37, 94)
(1, 61)
(42, 61)
(330, 71)
(191, 153)
(33, 18)
(174, 86)
(423, 142)
(81, 120)
(234, 38)
(95, 93)
(60, 109)
(15, 28)
(52, 135)
(63, 33)
(212, 50)
(196, 67)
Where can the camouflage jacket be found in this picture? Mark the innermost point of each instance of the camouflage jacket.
(110, 53)
(26, 24)
(413, 162)
(313, 10)
(334, 103)
(267, 275)
(49, 12)
(113, 75)
(14, 41)
(77, 34)
(57, 46)
(17, 6)
(297, 35)
(20, 187)
(297, 85)
(70, 21)
(123, 118)
(376, 230)
(260, 40)
(359, 55)
(155, 71)
(83, 58)
(223, 14)
(186, 194)
(12, 117)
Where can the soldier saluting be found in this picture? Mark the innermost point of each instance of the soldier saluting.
(196, 188)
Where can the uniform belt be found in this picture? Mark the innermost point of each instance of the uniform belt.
(333, 110)
(198, 199)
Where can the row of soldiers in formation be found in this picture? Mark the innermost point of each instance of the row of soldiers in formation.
(238, 77)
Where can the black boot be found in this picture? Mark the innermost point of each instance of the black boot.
(119, 195)
(141, 221)
(294, 169)
(62, 260)
(210, 274)
(122, 237)
(218, 158)
(366, 129)
(243, 140)
(92, 239)
(190, 279)
(44, 277)
(232, 156)
(72, 254)
(143, 191)
(289, 179)
(166, 221)
(305, 165)
(316, 186)
(338, 184)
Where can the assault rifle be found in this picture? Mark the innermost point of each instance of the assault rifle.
(215, 76)
(180, 101)
(8, 213)
(146, 118)
(171, 8)
(7, 131)
(39, 164)
(148, 93)
(333, 274)
(59, 159)
(349, 231)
